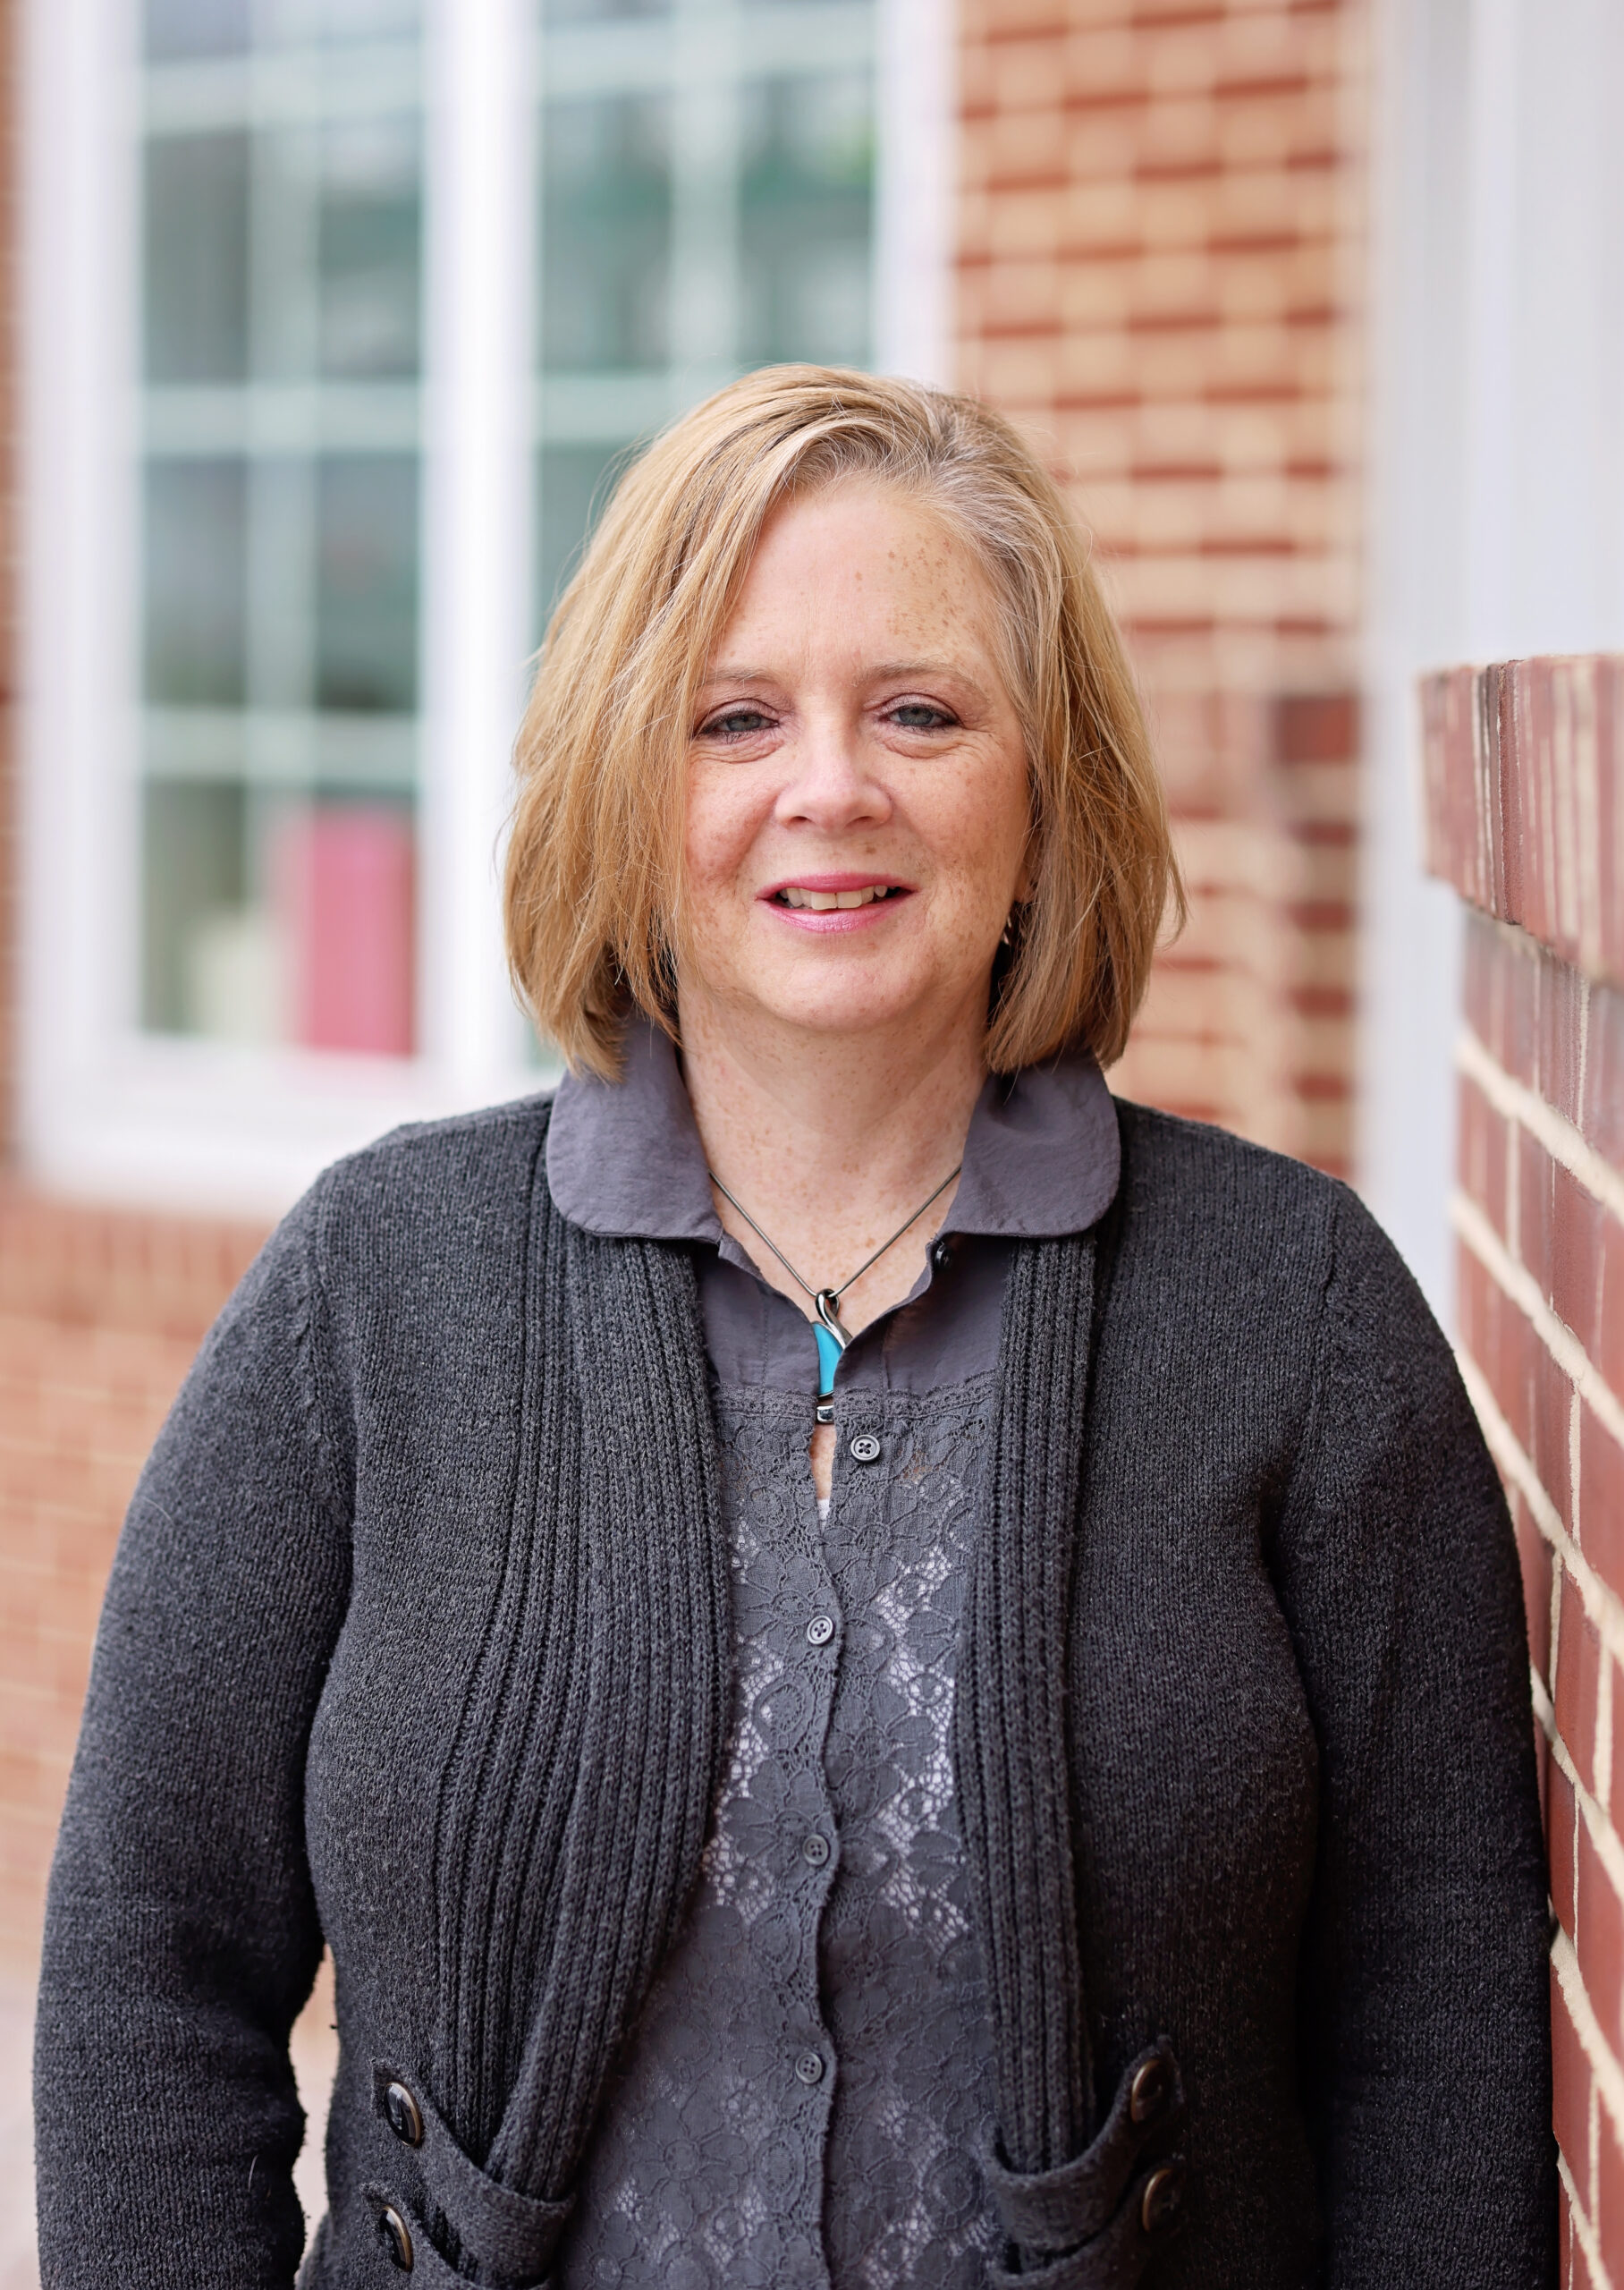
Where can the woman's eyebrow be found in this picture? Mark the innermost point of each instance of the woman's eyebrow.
(726, 674)
(883, 672)
(927, 668)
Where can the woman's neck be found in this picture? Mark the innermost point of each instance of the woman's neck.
(830, 1143)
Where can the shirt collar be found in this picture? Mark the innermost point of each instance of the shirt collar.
(624, 1159)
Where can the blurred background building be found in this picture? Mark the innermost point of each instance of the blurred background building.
(329, 323)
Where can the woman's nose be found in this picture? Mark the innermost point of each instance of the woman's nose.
(831, 784)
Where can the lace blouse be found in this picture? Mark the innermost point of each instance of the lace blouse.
(808, 2081)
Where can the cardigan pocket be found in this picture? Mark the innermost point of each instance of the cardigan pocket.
(470, 2229)
(1094, 2223)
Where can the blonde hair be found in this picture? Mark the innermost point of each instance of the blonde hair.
(594, 886)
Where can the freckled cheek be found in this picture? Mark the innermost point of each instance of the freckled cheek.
(981, 844)
(718, 843)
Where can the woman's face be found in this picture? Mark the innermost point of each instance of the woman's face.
(858, 809)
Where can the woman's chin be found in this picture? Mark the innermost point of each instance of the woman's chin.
(837, 1014)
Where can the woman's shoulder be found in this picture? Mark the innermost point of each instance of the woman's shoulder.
(1169, 1157)
(495, 1143)
(427, 1198)
(1255, 1231)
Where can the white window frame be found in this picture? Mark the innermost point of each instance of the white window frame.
(106, 1111)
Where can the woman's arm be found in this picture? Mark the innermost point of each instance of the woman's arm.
(1425, 2003)
(182, 1936)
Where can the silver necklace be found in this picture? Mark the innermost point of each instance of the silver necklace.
(827, 1301)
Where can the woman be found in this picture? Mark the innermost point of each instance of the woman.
(1082, 1828)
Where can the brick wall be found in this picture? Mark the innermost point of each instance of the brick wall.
(1161, 245)
(1526, 818)
(100, 1313)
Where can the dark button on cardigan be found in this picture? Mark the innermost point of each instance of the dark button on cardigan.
(416, 1637)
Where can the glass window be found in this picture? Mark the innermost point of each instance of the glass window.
(806, 204)
(707, 205)
(314, 452)
(282, 319)
(197, 27)
(607, 233)
(196, 258)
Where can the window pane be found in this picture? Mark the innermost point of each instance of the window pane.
(367, 583)
(283, 271)
(194, 583)
(197, 258)
(606, 235)
(574, 481)
(807, 197)
(272, 918)
(294, 21)
(193, 876)
(369, 248)
(580, 12)
(197, 28)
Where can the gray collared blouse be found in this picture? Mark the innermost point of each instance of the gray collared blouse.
(807, 2089)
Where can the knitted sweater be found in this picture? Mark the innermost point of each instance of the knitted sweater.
(417, 1639)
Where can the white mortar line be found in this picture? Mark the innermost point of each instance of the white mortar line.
(1570, 1980)
(1609, 1852)
(1583, 2228)
(1554, 1130)
(1520, 1286)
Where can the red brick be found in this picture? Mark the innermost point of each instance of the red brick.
(1600, 1111)
(1561, 1817)
(1601, 1476)
(1609, 2218)
(1537, 1018)
(1459, 754)
(1523, 764)
(1574, 1271)
(1550, 1417)
(1534, 1169)
(1570, 2094)
(1317, 727)
(1535, 1554)
(1578, 1668)
(1499, 1339)
(1483, 1138)
(1605, 1344)
(1600, 1937)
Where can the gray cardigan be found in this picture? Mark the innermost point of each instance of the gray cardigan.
(417, 1640)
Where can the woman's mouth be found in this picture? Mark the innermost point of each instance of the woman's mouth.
(824, 902)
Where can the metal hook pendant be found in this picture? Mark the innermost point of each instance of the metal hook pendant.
(825, 1303)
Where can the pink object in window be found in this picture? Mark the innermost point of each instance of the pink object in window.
(344, 882)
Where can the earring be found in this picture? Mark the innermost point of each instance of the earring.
(1008, 938)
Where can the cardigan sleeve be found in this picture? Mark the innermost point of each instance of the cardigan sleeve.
(1423, 1983)
(180, 1934)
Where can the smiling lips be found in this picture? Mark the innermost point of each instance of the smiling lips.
(834, 902)
(821, 902)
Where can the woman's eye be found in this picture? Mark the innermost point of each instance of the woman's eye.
(738, 724)
(919, 716)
